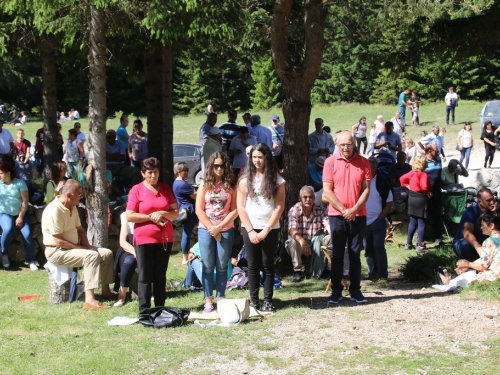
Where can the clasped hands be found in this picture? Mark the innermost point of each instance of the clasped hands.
(214, 231)
(157, 218)
(349, 214)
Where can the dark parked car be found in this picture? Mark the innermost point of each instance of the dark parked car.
(191, 154)
(490, 112)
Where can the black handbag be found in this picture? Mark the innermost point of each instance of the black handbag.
(163, 317)
(183, 216)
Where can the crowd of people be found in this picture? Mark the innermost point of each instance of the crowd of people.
(345, 207)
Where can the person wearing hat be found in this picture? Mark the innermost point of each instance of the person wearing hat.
(278, 133)
(315, 172)
(320, 142)
(306, 222)
(262, 134)
(211, 145)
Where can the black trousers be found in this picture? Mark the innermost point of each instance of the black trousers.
(261, 257)
(152, 264)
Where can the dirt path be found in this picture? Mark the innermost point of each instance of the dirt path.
(399, 319)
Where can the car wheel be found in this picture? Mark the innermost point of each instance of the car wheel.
(198, 177)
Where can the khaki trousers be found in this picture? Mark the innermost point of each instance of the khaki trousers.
(97, 265)
(295, 251)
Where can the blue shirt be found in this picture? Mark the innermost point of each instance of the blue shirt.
(10, 196)
(393, 138)
(117, 148)
(182, 191)
(402, 97)
(471, 215)
(204, 133)
(432, 139)
(121, 134)
(315, 176)
(434, 170)
(263, 135)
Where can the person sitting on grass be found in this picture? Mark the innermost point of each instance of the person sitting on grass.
(487, 267)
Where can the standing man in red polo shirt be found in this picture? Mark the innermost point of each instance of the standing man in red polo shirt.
(346, 186)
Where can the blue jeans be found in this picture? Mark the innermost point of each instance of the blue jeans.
(195, 268)
(465, 154)
(187, 231)
(448, 110)
(375, 253)
(348, 233)
(464, 250)
(215, 254)
(402, 111)
(371, 148)
(8, 224)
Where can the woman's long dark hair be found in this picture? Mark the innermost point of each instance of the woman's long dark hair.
(227, 179)
(491, 217)
(269, 185)
(55, 171)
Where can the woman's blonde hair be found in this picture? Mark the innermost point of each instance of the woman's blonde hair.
(410, 141)
(419, 163)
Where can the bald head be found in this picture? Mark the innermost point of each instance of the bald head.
(70, 186)
(345, 142)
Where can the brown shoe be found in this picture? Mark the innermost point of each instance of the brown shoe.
(99, 306)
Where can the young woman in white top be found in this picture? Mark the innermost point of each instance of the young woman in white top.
(260, 203)
(465, 143)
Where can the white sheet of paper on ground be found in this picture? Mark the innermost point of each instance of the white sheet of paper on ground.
(122, 321)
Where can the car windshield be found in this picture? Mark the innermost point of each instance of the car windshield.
(492, 110)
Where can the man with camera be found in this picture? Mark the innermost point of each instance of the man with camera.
(388, 141)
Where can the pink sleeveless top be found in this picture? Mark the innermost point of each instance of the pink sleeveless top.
(217, 206)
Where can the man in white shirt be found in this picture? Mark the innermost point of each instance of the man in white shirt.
(378, 206)
(451, 100)
(238, 147)
(399, 124)
(320, 142)
(6, 140)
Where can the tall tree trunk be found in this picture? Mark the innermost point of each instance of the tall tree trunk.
(96, 187)
(154, 104)
(167, 163)
(49, 97)
(298, 78)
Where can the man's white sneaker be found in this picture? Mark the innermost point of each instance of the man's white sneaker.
(33, 266)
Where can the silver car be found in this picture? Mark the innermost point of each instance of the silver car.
(490, 112)
(191, 154)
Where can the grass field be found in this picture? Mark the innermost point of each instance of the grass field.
(338, 117)
(36, 337)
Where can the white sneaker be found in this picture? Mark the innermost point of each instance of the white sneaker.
(5, 261)
(33, 266)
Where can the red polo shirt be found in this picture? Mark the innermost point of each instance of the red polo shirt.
(346, 177)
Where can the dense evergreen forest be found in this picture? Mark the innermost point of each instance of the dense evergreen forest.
(367, 60)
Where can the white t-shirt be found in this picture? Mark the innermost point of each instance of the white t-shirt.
(241, 159)
(373, 136)
(398, 126)
(123, 220)
(374, 202)
(448, 96)
(82, 138)
(260, 209)
(466, 139)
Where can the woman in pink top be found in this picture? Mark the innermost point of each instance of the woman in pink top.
(151, 207)
(216, 209)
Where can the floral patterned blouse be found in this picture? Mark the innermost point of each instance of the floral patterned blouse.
(490, 257)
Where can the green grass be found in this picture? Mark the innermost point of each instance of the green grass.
(338, 117)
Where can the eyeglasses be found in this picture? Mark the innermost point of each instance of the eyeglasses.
(346, 145)
(218, 166)
(308, 197)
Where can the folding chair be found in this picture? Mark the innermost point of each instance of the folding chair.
(344, 283)
(391, 229)
(454, 204)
